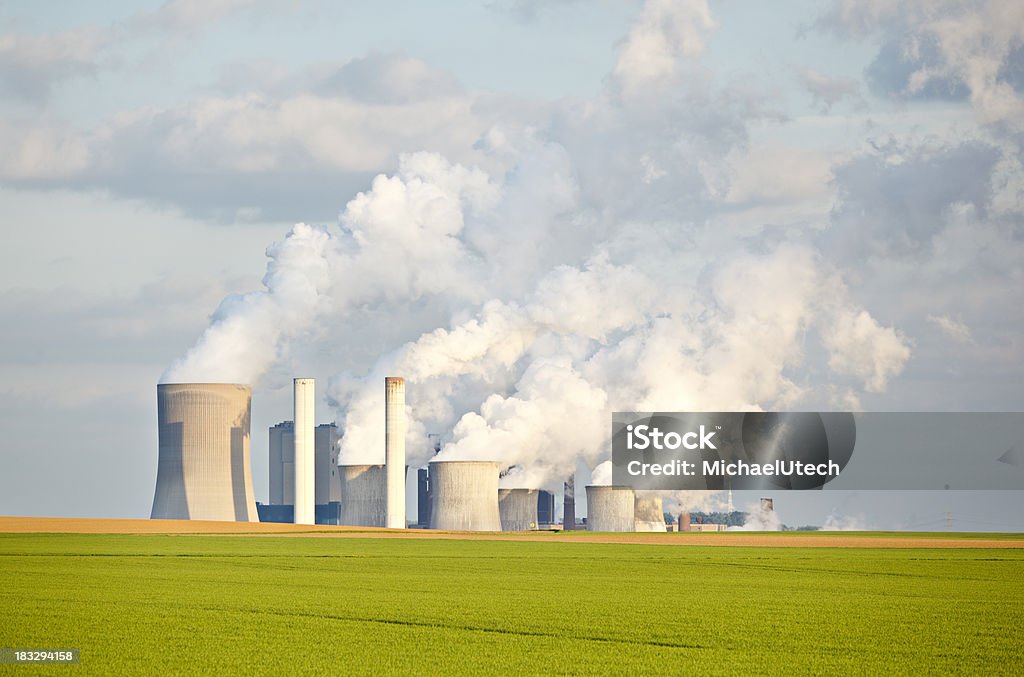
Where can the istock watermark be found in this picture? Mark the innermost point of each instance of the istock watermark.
(817, 450)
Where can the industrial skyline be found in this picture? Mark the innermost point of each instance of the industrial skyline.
(661, 205)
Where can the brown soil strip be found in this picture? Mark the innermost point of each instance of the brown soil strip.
(790, 540)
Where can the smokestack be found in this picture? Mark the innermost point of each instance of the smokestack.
(305, 439)
(363, 495)
(569, 503)
(610, 508)
(517, 509)
(204, 472)
(394, 450)
(648, 514)
(464, 496)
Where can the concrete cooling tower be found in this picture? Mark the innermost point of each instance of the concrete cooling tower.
(204, 471)
(518, 509)
(610, 508)
(464, 496)
(648, 514)
(363, 495)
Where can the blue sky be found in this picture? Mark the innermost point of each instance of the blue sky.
(763, 205)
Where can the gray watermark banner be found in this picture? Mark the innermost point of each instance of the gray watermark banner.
(817, 450)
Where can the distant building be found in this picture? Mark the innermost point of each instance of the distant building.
(546, 507)
(422, 498)
(709, 527)
(282, 464)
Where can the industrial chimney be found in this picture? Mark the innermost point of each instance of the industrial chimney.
(363, 495)
(394, 450)
(305, 479)
(464, 496)
(610, 508)
(648, 514)
(204, 471)
(517, 509)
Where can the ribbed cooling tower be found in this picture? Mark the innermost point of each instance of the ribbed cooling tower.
(647, 513)
(363, 495)
(394, 450)
(610, 508)
(464, 496)
(204, 471)
(517, 509)
(767, 505)
(305, 479)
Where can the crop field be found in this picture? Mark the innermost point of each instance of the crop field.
(249, 604)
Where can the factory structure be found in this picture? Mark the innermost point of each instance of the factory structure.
(204, 473)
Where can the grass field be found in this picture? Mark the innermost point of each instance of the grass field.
(216, 604)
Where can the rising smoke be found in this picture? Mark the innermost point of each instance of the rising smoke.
(584, 272)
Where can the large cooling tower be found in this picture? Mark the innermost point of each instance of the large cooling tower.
(394, 450)
(518, 509)
(464, 496)
(610, 508)
(363, 495)
(204, 471)
(648, 514)
(305, 478)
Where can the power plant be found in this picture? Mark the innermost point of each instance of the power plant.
(648, 514)
(363, 495)
(517, 509)
(204, 471)
(464, 496)
(610, 508)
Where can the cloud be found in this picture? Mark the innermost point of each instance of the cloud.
(826, 90)
(954, 329)
(664, 32)
(948, 49)
(32, 65)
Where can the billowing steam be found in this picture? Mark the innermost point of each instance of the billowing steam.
(525, 303)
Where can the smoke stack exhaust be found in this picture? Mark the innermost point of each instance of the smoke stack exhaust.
(305, 480)
(394, 450)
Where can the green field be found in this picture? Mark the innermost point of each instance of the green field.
(138, 604)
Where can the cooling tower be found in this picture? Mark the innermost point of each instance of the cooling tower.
(204, 471)
(305, 479)
(394, 450)
(363, 495)
(464, 496)
(517, 509)
(610, 508)
(647, 513)
(767, 505)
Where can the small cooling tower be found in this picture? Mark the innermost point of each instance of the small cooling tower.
(648, 514)
(518, 509)
(204, 471)
(610, 508)
(464, 496)
(767, 505)
(363, 495)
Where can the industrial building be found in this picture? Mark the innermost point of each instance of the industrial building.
(648, 514)
(282, 464)
(610, 508)
(464, 496)
(204, 471)
(517, 509)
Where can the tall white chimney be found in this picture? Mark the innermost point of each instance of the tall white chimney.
(394, 450)
(305, 442)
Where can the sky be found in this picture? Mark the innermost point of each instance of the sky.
(538, 212)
